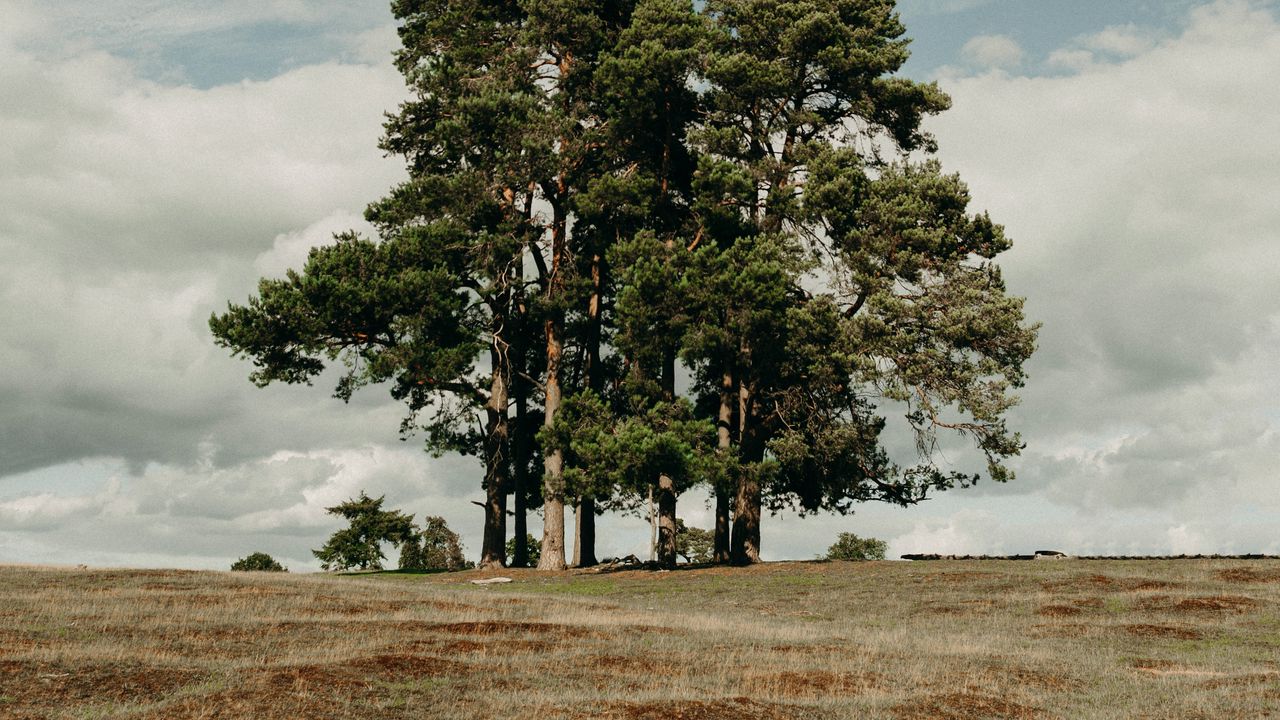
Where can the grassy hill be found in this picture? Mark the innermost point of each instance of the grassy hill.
(951, 639)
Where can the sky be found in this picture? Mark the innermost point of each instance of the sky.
(158, 156)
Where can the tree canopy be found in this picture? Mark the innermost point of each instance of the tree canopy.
(605, 198)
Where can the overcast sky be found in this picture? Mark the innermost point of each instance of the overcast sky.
(158, 156)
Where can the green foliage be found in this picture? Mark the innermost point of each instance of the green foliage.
(258, 562)
(359, 545)
(693, 544)
(851, 547)
(433, 547)
(743, 186)
(621, 454)
(534, 545)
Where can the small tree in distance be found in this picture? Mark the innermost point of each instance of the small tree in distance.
(258, 562)
(434, 547)
(693, 544)
(851, 547)
(360, 544)
(534, 546)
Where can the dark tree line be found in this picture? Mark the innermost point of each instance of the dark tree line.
(606, 197)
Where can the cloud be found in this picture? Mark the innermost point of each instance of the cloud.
(133, 210)
(1140, 196)
(1139, 188)
(992, 51)
(207, 515)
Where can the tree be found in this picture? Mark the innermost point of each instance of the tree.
(872, 287)
(359, 545)
(693, 544)
(534, 548)
(629, 453)
(599, 192)
(258, 562)
(433, 547)
(851, 547)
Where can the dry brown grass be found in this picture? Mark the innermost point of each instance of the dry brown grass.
(948, 639)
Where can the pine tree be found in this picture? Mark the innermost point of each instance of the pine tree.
(835, 272)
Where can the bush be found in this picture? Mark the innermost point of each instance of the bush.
(851, 547)
(434, 547)
(258, 562)
(535, 549)
(360, 544)
(695, 545)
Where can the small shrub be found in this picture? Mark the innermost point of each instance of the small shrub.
(360, 545)
(851, 547)
(434, 547)
(695, 545)
(535, 549)
(258, 562)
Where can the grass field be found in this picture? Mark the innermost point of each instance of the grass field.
(950, 639)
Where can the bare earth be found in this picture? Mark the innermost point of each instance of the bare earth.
(913, 641)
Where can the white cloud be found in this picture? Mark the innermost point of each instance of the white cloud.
(1126, 41)
(1140, 192)
(289, 250)
(208, 515)
(992, 51)
(1140, 197)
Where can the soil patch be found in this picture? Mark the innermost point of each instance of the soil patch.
(628, 664)
(1203, 604)
(1059, 610)
(1241, 681)
(360, 671)
(810, 683)
(1097, 581)
(729, 709)
(967, 705)
(1038, 679)
(35, 685)
(1163, 631)
(500, 627)
(1065, 630)
(1248, 575)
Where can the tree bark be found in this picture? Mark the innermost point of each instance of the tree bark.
(666, 521)
(653, 528)
(584, 540)
(493, 553)
(747, 505)
(666, 484)
(724, 435)
(552, 557)
(520, 439)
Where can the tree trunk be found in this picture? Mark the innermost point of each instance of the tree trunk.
(653, 528)
(720, 553)
(746, 521)
(747, 505)
(552, 557)
(493, 553)
(724, 425)
(520, 441)
(584, 537)
(666, 521)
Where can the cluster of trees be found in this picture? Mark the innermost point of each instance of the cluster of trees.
(851, 547)
(646, 245)
(433, 546)
(258, 562)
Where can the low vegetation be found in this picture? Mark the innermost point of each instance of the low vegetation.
(258, 562)
(851, 547)
(949, 639)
